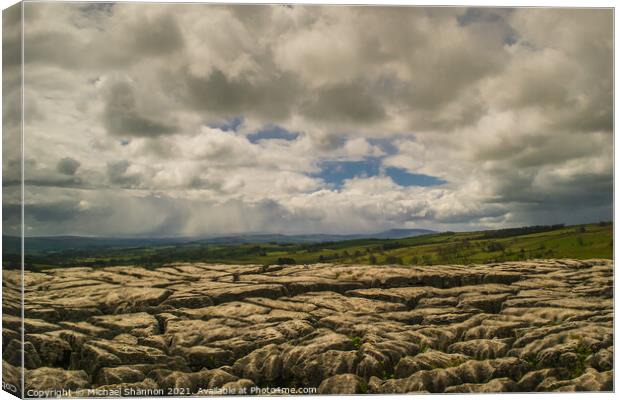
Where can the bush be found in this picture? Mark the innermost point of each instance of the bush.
(393, 260)
(525, 230)
(494, 246)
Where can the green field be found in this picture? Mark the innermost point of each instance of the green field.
(579, 242)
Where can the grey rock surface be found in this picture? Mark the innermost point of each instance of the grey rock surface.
(544, 325)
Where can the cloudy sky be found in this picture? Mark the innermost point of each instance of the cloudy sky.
(162, 120)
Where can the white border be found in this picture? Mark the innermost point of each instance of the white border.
(482, 3)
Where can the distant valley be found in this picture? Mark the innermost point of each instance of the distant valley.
(60, 243)
(407, 247)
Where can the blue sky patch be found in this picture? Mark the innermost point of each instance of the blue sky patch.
(511, 38)
(272, 132)
(336, 172)
(405, 178)
(478, 15)
(487, 16)
(385, 145)
(232, 124)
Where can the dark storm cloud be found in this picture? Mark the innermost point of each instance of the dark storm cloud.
(52, 212)
(118, 174)
(142, 37)
(270, 97)
(72, 182)
(97, 9)
(491, 17)
(11, 217)
(512, 108)
(537, 150)
(68, 166)
(122, 118)
(11, 37)
(156, 36)
(351, 102)
(43, 48)
(68, 182)
(11, 87)
(576, 191)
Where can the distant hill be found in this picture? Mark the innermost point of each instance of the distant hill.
(510, 244)
(314, 238)
(59, 243)
(399, 234)
(38, 244)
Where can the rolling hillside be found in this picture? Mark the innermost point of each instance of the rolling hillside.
(578, 242)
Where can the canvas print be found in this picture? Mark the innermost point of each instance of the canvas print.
(216, 199)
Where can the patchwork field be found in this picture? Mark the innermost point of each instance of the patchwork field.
(186, 329)
(491, 246)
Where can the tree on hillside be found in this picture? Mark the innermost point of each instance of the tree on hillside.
(391, 259)
(494, 246)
